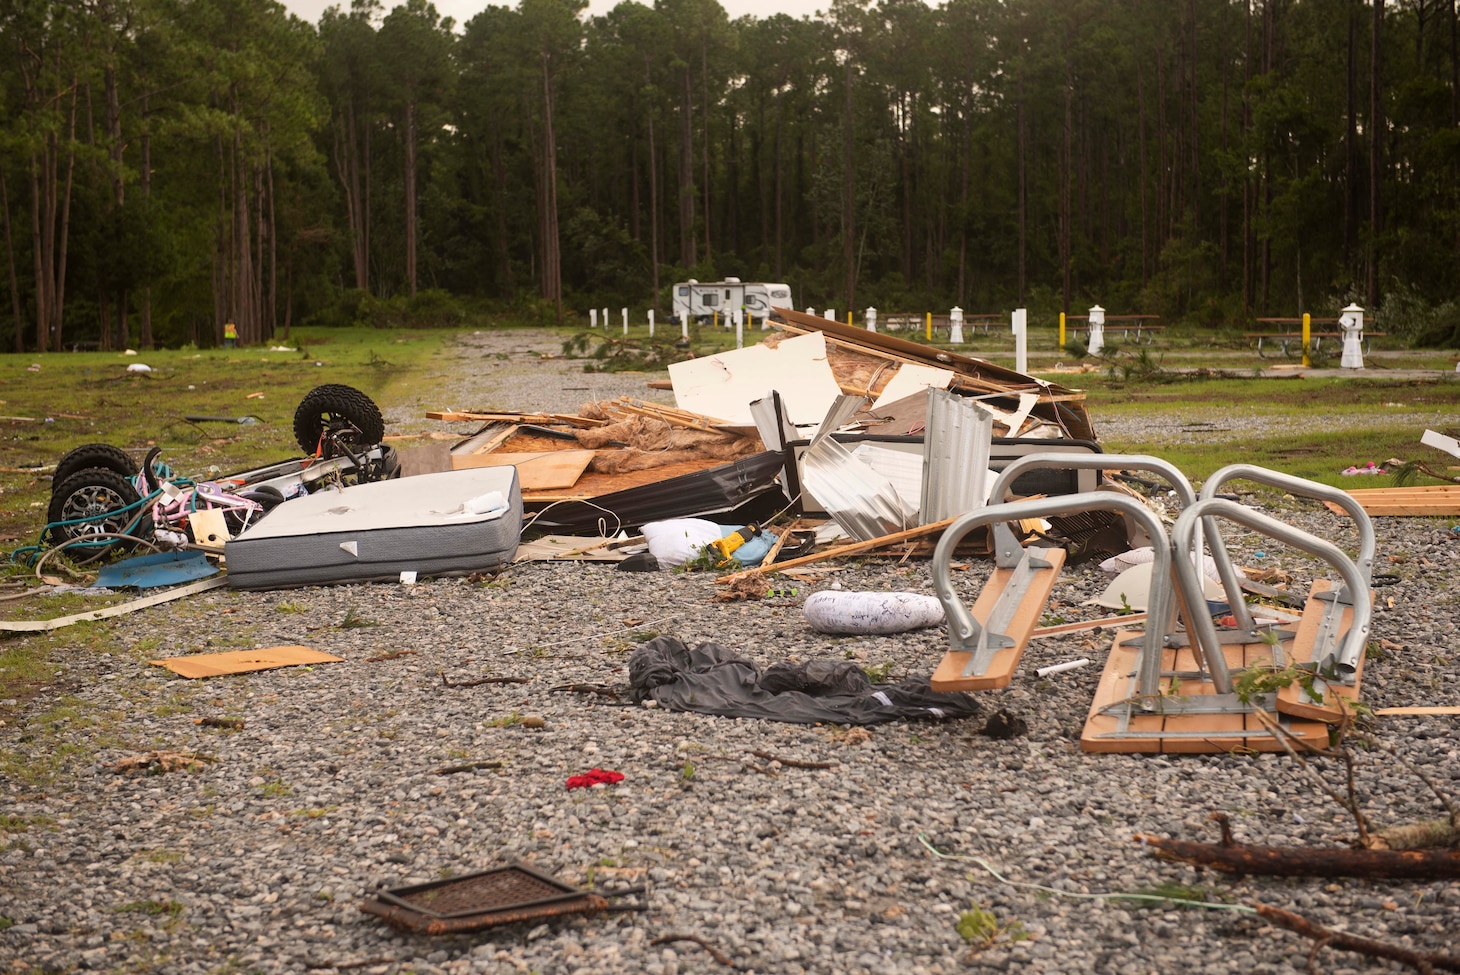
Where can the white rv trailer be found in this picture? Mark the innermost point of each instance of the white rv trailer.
(703, 300)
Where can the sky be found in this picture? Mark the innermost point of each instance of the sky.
(463, 10)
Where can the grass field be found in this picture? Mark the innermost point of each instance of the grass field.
(1312, 427)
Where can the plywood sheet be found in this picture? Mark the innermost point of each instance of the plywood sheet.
(549, 470)
(949, 674)
(244, 661)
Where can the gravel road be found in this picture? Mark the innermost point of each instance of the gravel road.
(255, 858)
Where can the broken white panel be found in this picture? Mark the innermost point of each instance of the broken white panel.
(912, 378)
(956, 448)
(902, 468)
(1441, 442)
(351, 547)
(862, 501)
(724, 385)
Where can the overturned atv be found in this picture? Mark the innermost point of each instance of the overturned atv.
(102, 503)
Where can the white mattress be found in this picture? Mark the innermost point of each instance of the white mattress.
(431, 524)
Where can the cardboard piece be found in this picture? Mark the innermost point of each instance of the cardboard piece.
(243, 661)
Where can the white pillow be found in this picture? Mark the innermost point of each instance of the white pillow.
(678, 540)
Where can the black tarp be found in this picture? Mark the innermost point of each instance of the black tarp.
(709, 679)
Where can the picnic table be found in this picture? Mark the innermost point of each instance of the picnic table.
(1144, 328)
(1286, 340)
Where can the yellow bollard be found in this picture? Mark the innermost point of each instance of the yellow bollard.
(930, 326)
(849, 318)
(1062, 331)
(1307, 331)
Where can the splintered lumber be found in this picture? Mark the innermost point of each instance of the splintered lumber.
(1298, 861)
(489, 439)
(458, 416)
(852, 548)
(672, 415)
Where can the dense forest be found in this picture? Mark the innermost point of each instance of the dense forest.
(169, 165)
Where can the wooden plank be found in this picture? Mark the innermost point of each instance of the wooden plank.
(1415, 711)
(492, 437)
(1153, 733)
(1436, 500)
(543, 471)
(1294, 700)
(457, 416)
(949, 674)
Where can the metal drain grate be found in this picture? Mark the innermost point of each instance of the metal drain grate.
(506, 888)
(503, 895)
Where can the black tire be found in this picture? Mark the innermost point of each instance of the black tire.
(102, 455)
(95, 492)
(343, 410)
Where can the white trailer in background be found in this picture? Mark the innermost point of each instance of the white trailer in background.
(704, 300)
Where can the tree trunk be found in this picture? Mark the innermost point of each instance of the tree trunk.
(1351, 144)
(1376, 154)
(145, 339)
(848, 193)
(687, 254)
(705, 136)
(552, 266)
(653, 204)
(19, 333)
(1023, 191)
(1066, 165)
(410, 194)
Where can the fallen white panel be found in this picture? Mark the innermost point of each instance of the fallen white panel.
(911, 378)
(1441, 442)
(724, 385)
(156, 599)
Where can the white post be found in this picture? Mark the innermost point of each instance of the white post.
(829, 314)
(651, 323)
(955, 326)
(605, 319)
(684, 327)
(871, 319)
(626, 321)
(1097, 330)
(1021, 340)
(811, 312)
(739, 330)
(1352, 323)
(593, 318)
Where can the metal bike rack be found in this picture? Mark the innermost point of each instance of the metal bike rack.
(1348, 650)
(981, 641)
(1326, 648)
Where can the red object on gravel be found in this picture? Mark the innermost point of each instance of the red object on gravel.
(594, 777)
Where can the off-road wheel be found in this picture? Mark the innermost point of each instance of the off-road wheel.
(105, 499)
(342, 411)
(90, 455)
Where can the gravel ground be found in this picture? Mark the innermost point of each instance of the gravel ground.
(256, 859)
